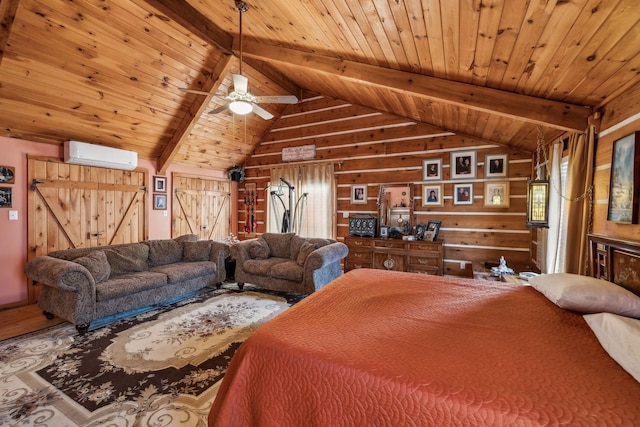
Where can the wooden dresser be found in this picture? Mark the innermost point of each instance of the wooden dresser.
(417, 256)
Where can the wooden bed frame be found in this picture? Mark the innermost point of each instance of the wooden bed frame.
(615, 260)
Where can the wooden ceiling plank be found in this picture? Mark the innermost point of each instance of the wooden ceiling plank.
(488, 27)
(7, 15)
(420, 38)
(540, 111)
(468, 23)
(189, 17)
(433, 23)
(195, 111)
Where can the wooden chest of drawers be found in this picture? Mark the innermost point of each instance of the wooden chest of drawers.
(393, 254)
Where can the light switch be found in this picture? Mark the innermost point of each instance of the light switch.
(164, 213)
(13, 215)
(345, 214)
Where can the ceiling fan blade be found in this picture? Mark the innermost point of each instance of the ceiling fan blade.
(262, 112)
(219, 109)
(240, 83)
(200, 92)
(286, 99)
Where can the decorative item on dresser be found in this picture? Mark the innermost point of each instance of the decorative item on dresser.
(362, 225)
(394, 254)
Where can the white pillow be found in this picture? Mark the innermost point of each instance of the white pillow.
(620, 337)
(587, 294)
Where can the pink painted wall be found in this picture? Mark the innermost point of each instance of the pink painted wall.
(13, 234)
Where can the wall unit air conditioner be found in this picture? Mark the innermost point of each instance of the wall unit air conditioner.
(81, 153)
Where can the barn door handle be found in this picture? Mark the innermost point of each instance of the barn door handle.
(96, 234)
(35, 182)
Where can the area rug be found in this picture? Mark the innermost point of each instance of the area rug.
(159, 368)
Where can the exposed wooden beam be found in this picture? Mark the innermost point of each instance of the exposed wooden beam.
(195, 111)
(7, 14)
(190, 18)
(559, 115)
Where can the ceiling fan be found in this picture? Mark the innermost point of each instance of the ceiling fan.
(241, 101)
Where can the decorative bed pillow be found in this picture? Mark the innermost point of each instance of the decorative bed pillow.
(586, 294)
(164, 251)
(620, 337)
(196, 251)
(305, 249)
(127, 259)
(97, 264)
(259, 249)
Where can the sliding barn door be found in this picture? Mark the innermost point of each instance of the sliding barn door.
(72, 206)
(200, 206)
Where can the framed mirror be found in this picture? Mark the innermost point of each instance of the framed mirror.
(395, 209)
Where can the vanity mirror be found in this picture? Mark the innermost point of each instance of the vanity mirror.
(395, 209)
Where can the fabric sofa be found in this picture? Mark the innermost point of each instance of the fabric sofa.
(82, 285)
(286, 262)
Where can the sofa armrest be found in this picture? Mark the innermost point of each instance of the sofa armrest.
(240, 251)
(62, 274)
(218, 254)
(326, 255)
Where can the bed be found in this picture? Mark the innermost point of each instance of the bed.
(378, 348)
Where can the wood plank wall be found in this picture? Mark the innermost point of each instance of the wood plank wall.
(620, 118)
(373, 148)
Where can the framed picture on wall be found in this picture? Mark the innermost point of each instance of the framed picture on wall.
(463, 194)
(160, 184)
(463, 165)
(624, 187)
(432, 169)
(6, 195)
(7, 175)
(358, 194)
(432, 195)
(496, 166)
(496, 194)
(160, 202)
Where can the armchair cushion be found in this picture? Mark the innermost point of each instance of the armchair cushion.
(305, 249)
(196, 251)
(261, 267)
(288, 270)
(97, 264)
(279, 244)
(259, 249)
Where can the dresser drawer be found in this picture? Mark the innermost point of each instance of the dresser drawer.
(434, 271)
(358, 242)
(389, 244)
(359, 255)
(424, 260)
(354, 265)
(425, 247)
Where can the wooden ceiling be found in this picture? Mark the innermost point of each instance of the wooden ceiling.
(110, 71)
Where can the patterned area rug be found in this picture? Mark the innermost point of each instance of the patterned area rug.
(159, 368)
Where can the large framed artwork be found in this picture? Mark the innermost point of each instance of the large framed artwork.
(463, 165)
(624, 188)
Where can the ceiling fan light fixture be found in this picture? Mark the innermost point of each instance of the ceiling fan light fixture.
(241, 107)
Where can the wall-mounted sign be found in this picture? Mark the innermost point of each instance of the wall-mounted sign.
(304, 152)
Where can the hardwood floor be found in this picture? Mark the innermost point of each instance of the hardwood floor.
(22, 320)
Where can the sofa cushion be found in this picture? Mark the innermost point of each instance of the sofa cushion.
(181, 271)
(289, 270)
(129, 284)
(259, 249)
(97, 264)
(261, 267)
(279, 244)
(196, 251)
(163, 251)
(305, 250)
(127, 259)
(187, 238)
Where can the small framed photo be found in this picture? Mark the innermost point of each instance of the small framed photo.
(160, 202)
(358, 194)
(433, 228)
(463, 164)
(496, 194)
(160, 184)
(384, 231)
(496, 166)
(463, 194)
(5, 197)
(7, 175)
(432, 169)
(420, 230)
(432, 195)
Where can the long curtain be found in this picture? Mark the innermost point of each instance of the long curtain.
(313, 201)
(553, 237)
(579, 200)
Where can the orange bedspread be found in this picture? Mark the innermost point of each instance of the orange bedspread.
(377, 348)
